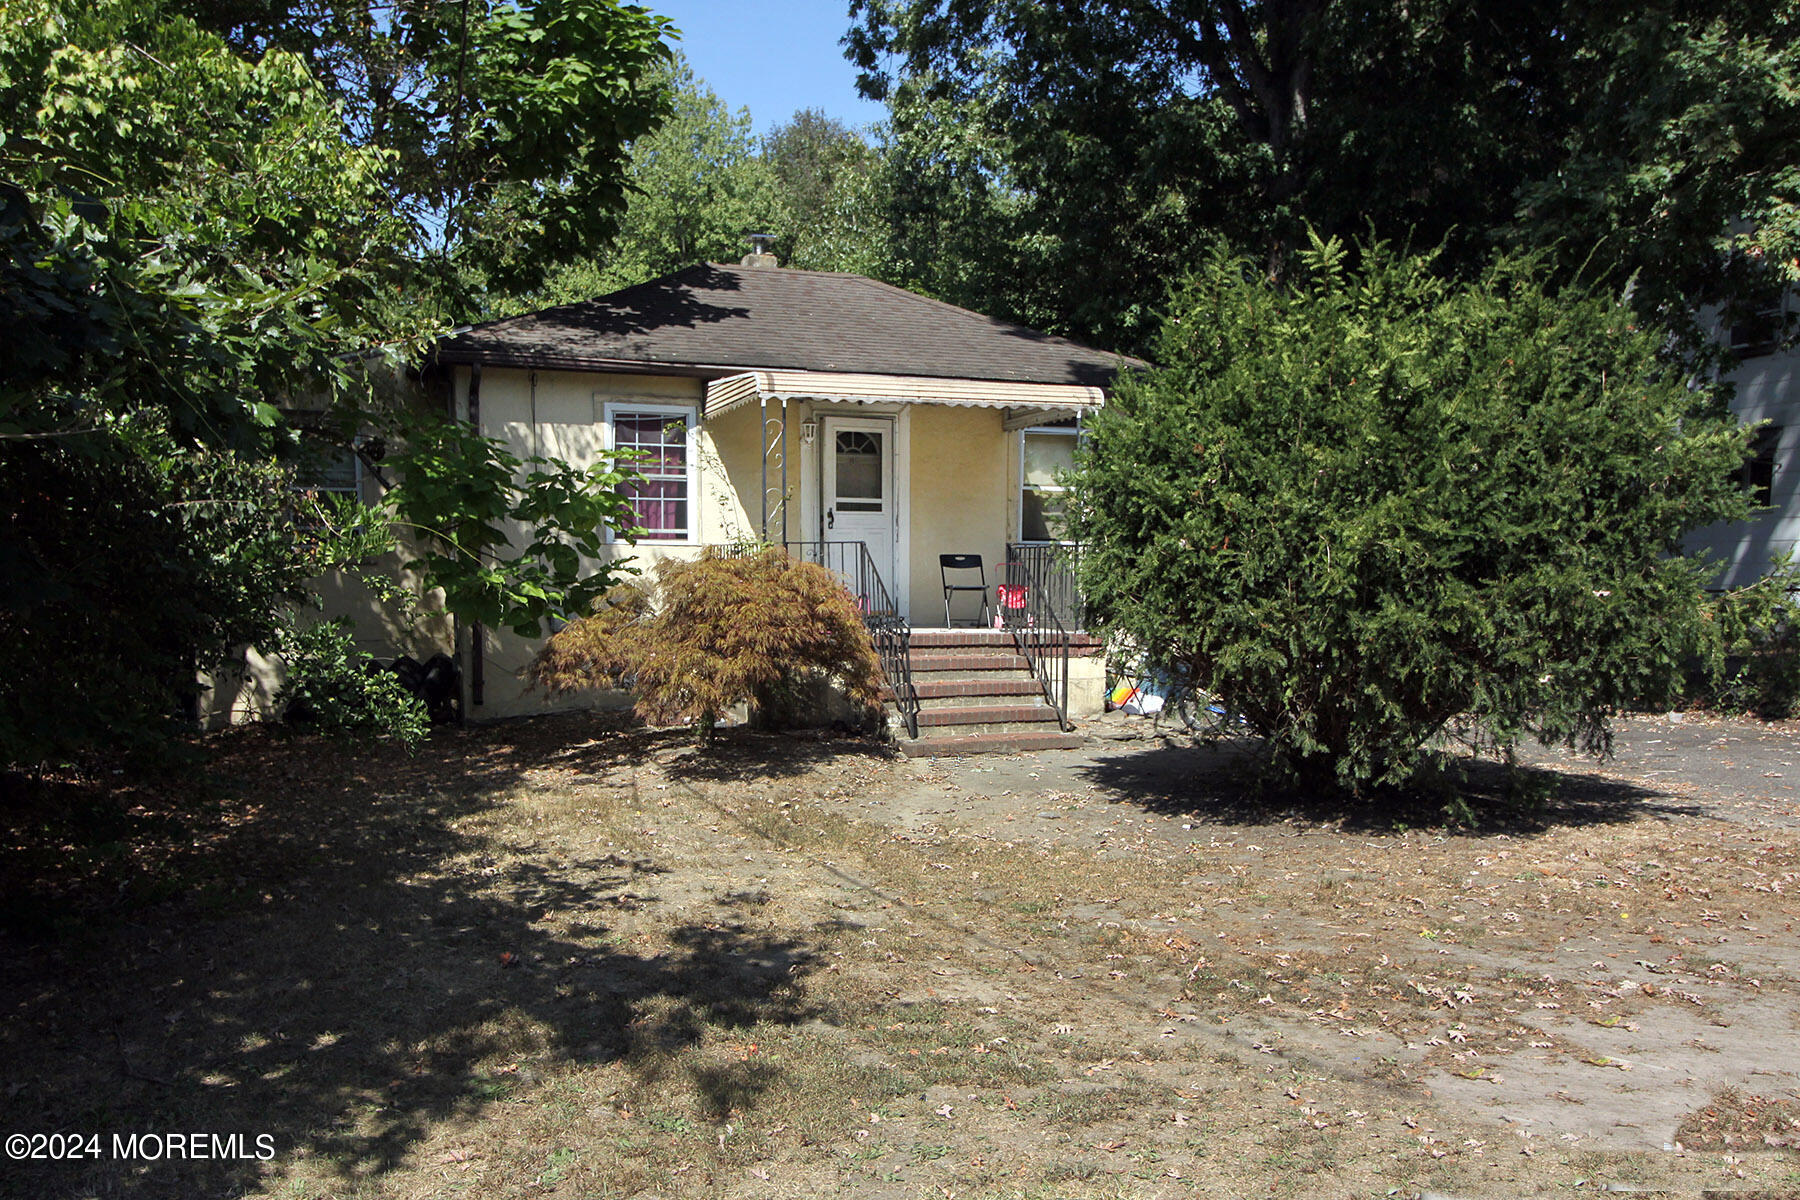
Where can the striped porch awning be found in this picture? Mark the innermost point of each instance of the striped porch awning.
(1025, 403)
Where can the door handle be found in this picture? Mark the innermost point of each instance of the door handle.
(831, 518)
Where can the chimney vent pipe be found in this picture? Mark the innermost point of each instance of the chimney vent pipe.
(760, 251)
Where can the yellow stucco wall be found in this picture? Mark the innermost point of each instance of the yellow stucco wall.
(731, 475)
(563, 415)
(569, 409)
(244, 689)
(959, 476)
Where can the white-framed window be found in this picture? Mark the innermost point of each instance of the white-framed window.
(1045, 454)
(1760, 320)
(1763, 460)
(665, 500)
(329, 470)
(1760, 331)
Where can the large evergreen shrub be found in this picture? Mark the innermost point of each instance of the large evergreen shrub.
(1366, 502)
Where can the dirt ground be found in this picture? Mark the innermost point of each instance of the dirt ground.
(568, 959)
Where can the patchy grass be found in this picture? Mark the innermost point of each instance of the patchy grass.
(572, 958)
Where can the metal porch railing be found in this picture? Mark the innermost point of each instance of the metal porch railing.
(1054, 565)
(1029, 609)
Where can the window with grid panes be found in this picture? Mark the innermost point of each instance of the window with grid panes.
(662, 499)
(1046, 455)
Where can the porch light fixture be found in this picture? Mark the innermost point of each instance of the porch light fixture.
(808, 431)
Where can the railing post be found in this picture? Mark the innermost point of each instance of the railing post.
(1043, 632)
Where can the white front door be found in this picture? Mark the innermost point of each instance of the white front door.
(858, 502)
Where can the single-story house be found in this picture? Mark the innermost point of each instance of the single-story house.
(860, 424)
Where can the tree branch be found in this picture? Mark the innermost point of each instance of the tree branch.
(1196, 39)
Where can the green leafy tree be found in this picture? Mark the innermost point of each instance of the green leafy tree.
(759, 628)
(1084, 152)
(1365, 503)
(809, 156)
(959, 221)
(188, 237)
(129, 563)
(697, 187)
(503, 125)
(1676, 175)
(1637, 140)
(466, 499)
(831, 190)
(701, 182)
(184, 231)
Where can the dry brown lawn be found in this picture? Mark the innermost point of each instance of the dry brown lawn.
(566, 958)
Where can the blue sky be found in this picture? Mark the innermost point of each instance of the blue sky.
(773, 57)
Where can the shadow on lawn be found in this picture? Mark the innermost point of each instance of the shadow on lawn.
(1223, 783)
(734, 755)
(348, 966)
(746, 755)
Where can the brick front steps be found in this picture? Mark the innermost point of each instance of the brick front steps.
(993, 743)
(977, 697)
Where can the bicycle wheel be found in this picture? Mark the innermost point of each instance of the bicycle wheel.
(1190, 710)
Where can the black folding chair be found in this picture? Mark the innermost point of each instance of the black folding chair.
(963, 564)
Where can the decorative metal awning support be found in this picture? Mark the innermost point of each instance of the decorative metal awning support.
(774, 449)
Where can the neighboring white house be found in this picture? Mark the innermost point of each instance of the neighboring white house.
(1767, 383)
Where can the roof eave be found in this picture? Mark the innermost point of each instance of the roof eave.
(526, 360)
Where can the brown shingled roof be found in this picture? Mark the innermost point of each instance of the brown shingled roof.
(713, 319)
